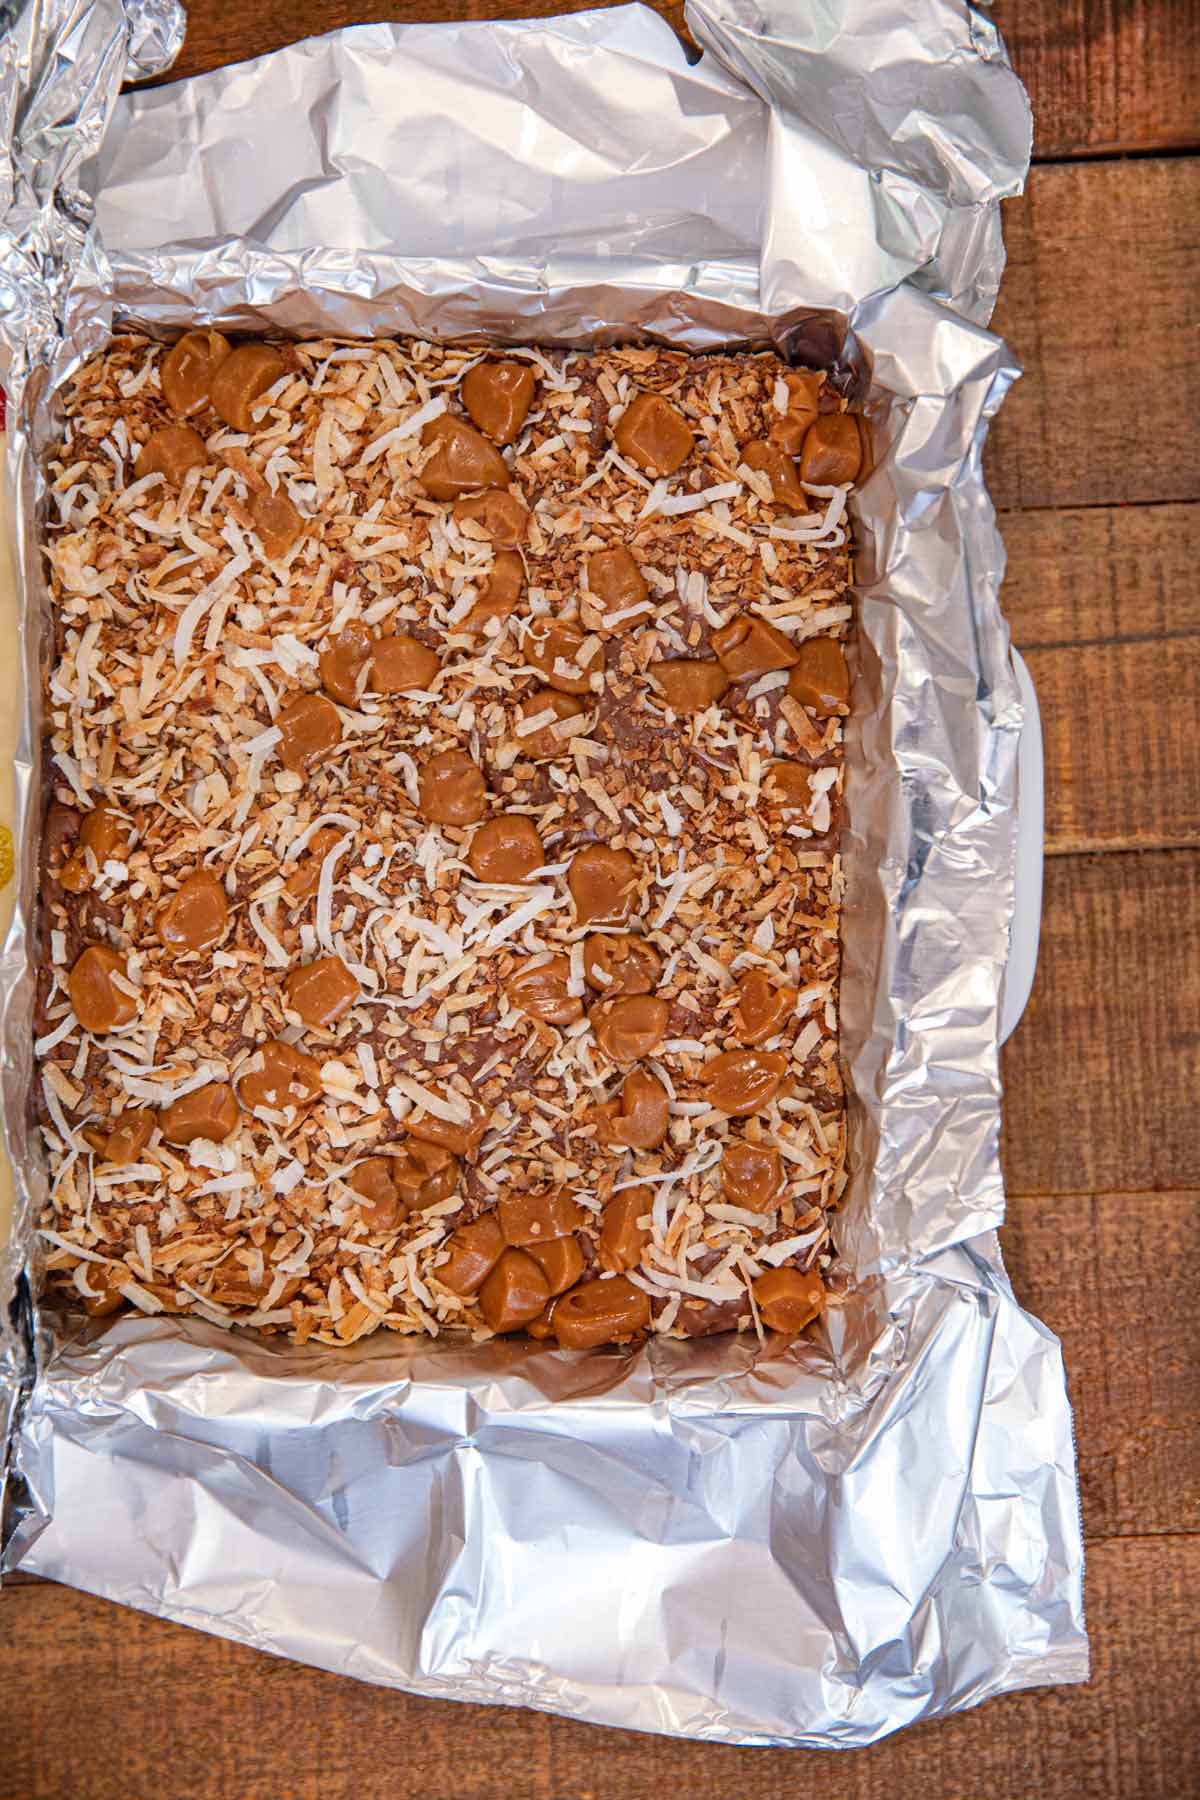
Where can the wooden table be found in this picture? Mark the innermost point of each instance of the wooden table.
(1095, 464)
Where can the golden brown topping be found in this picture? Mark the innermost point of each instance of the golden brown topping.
(170, 452)
(602, 883)
(475, 1250)
(832, 453)
(188, 369)
(196, 914)
(233, 1285)
(600, 1312)
(288, 1076)
(514, 1293)
(462, 459)
(311, 729)
(305, 877)
(402, 663)
(500, 514)
(498, 396)
(616, 582)
(654, 434)
(690, 683)
(543, 743)
(277, 523)
(242, 379)
(321, 991)
(426, 1173)
(751, 1175)
(638, 1120)
(749, 646)
(343, 661)
(98, 1003)
(561, 1262)
(762, 1009)
(500, 592)
(555, 649)
(124, 1142)
(505, 850)
(622, 1237)
(788, 429)
(452, 789)
(631, 1027)
(372, 1181)
(820, 678)
(789, 1299)
(463, 1135)
(208, 1112)
(780, 470)
(743, 1081)
(618, 962)
(540, 989)
(787, 788)
(532, 1218)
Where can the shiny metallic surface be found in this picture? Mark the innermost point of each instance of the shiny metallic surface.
(810, 1544)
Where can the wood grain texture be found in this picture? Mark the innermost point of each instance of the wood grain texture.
(1102, 574)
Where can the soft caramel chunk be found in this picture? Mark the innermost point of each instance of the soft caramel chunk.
(622, 1237)
(286, 1076)
(321, 991)
(689, 684)
(188, 369)
(556, 650)
(545, 743)
(618, 962)
(602, 882)
(654, 434)
(499, 593)
(170, 452)
(452, 789)
(540, 989)
(461, 1135)
(780, 471)
(105, 1281)
(311, 729)
(125, 1140)
(304, 879)
(820, 678)
(514, 1293)
(277, 523)
(751, 1175)
(499, 513)
(402, 665)
(762, 1008)
(600, 1312)
(787, 788)
(743, 1081)
(208, 1112)
(531, 1218)
(474, 1249)
(832, 453)
(788, 428)
(749, 646)
(498, 395)
(383, 1207)
(105, 834)
(561, 1262)
(617, 584)
(98, 1003)
(342, 663)
(639, 1119)
(631, 1027)
(242, 379)
(505, 850)
(461, 459)
(789, 1299)
(196, 914)
(425, 1174)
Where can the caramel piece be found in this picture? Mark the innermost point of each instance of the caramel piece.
(780, 470)
(210, 1112)
(540, 989)
(321, 991)
(618, 962)
(762, 1009)
(124, 1142)
(654, 434)
(475, 1249)
(506, 850)
(532, 1218)
(75, 876)
(787, 788)
(749, 646)
(105, 834)
(555, 649)
(498, 395)
(622, 1238)
(231, 1286)
(462, 459)
(305, 878)
(561, 1262)
(500, 592)
(452, 789)
(242, 379)
(383, 1208)
(789, 1299)
(188, 369)
(600, 1312)
(514, 1293)
(602, 883)
(170, 452)
(425, 1174)
(639, 1119)
(96, 1000)
(500, 514)
(820, 679)
(690, 683)
(751, 1175)
(288, 1077)
(541, 1327)
(832, 453)
(311, 729)
(631, 1027)
(616, 582)
(788, 428)
(403, 664)
(462, 1135)
(277, 523)
(342, 663)
(543, 743)
(105, 1282)
(196, 914)
(743, 1081)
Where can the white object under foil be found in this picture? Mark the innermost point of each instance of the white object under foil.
(811, 1544)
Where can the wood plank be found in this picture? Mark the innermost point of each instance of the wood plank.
(1101, 574)
(1102, 1075)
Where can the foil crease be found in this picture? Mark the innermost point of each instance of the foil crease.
(812, 1544)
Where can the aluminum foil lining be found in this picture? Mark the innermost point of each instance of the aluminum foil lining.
(811, 1544)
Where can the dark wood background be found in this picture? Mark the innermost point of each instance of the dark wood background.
(1095, 464)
